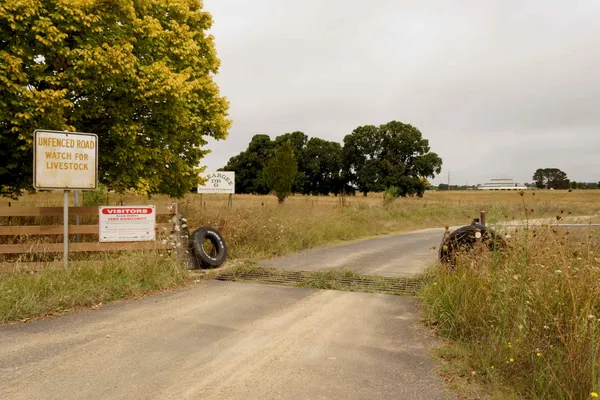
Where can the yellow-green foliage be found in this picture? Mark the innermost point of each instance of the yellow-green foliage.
(528, 319)
(136, 72)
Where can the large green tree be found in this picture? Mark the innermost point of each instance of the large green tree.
(393, 154)
(298, 140)
(362, 153)
(139, 73)
(280, 171)
(322, 166)
(249, 164)
(550, 178)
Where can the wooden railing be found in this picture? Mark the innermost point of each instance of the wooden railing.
(40, 230)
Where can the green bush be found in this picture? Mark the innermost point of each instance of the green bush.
(390, 195)
(97, 197)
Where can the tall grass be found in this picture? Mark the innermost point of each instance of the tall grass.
(529, 318)
(57, 290)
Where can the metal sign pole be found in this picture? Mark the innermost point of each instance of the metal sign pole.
(66, 229)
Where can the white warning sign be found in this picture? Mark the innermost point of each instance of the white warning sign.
(127, 223)
(65, 160)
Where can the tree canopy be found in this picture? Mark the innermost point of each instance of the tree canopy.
(249, 164)
(280, 172)
(372, 159)
(319, 164)
(139, 73)
(550, 178)
(322, 165)
(393, 154)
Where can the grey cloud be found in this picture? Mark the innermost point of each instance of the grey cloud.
(497, 87)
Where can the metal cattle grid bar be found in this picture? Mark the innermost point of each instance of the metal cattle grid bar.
(356, 283)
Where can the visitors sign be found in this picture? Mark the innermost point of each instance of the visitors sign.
(127, 223)
(218, 182)
(65, 160)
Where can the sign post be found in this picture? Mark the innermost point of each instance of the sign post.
(66, 228)
(77, 216)
(65, 161)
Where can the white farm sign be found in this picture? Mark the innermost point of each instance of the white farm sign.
(127, 223)
(65, 160)
(218, 182)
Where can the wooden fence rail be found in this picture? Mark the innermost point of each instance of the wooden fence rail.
(58, 211)
(39, 230)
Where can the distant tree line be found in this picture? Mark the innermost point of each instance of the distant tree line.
(554, 178)
(544, 178)
(584, 185)
(445, 186)
(372, 159)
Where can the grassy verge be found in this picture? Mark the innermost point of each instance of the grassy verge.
(525, 323)
(55, 290)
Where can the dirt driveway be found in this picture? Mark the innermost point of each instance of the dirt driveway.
(222, 340)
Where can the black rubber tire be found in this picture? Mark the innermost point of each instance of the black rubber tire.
(463, 240)
(217, 257)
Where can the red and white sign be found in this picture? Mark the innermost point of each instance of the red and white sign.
(127, 223)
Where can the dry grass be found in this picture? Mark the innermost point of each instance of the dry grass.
(527, 319)
(256, 227)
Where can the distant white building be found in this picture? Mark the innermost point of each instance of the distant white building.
(502, 184)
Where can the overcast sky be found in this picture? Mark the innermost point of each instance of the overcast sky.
(498, 87)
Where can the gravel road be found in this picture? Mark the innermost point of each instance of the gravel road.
(222, 340)
(398, 255)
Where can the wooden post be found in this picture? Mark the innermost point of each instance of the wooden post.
(482, 218)
(77, 216)
(66, 229)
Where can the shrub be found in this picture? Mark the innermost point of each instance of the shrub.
(390, 195)
(96, 197)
